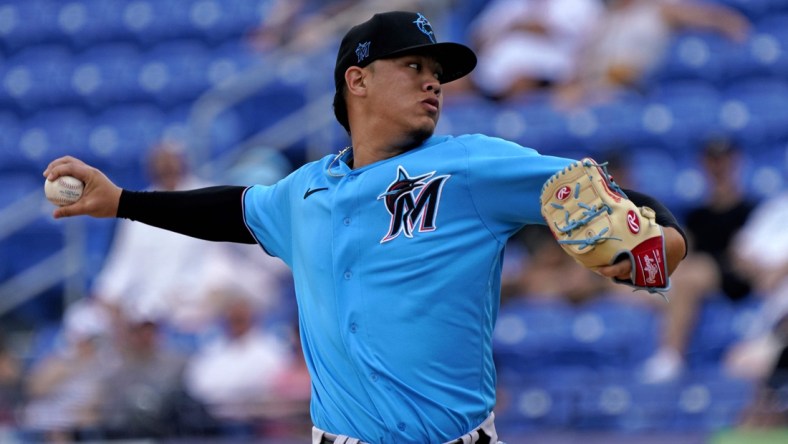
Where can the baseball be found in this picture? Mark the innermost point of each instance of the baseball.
(65, 190)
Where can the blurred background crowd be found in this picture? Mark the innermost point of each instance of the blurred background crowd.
(112, 330)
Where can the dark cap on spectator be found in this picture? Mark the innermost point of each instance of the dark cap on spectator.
(719, 146)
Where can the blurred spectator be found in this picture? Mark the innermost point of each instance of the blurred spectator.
(769, 406)
(64, 387)
(170, 275)
(292, 391)
(632, 40)
(547, 272)
(288, 22)
(302, 25)
(761, 252)
(10, 382)
(236, 373)
(142, 391)
(708, 269)
(528, 45)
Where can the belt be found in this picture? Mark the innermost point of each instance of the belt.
(482, 439)
(327, 440)
(484, 434)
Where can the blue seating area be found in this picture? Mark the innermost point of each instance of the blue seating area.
(576, 367)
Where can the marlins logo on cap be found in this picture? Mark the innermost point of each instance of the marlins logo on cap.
(425, 27)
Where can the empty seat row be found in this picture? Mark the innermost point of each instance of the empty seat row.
(674, 116)
(534, 336)
(83, 23)
(587, 400)
(168, 74)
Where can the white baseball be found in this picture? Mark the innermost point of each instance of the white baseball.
(65, 190)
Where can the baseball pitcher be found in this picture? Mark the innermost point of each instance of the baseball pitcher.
(396, 242)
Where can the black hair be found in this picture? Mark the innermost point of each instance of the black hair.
(340, 108)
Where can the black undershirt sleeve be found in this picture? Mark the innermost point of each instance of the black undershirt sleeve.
(214, 213)
(663, 216)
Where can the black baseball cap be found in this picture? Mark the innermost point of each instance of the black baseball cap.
(397, 33)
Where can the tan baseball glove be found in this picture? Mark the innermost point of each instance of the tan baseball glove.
(594, 221)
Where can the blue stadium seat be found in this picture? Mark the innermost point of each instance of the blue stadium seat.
(704, 401)
(9, 139)
(269, 105)
(121, 135)
(754, 9)
(210, 20)
(606, 404)
(215, 21)
(149, 22)
(612, 333)
(175, 72)
(711, 57)
(720, 324)
(226, 131)
(754, 111)
(107, 74)
(603, 126)
(536, 124)
(461, 114)
(39, 76)
(656, 172)
(531, 334)
(52, 133)
(26, 23)
(76, 19)
(87, 23)
(34, 243)
(524, 407)
(771, 42)
(690, 56)
(16, 185)
(77, 23)
(682, 113)
(769, 170)
(709, 400)
(229, 59)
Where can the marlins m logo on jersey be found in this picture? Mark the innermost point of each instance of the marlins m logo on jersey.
(412, 202)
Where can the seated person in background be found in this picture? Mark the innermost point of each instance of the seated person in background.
(171, 276)
(633, 38)
(10, 382)
(760, 251)
(64, 388)
(235, 374)
(529, 45)
(769, 408)
(708, 268)
(547, 272)
(141, 393)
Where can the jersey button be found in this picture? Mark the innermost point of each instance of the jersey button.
(348, 274)
(353, 327)
(401, 426)
(346, 221)
(373, 376)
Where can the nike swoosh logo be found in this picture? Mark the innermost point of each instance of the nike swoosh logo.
(311, 191)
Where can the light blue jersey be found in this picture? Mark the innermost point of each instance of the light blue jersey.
(397, 269)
